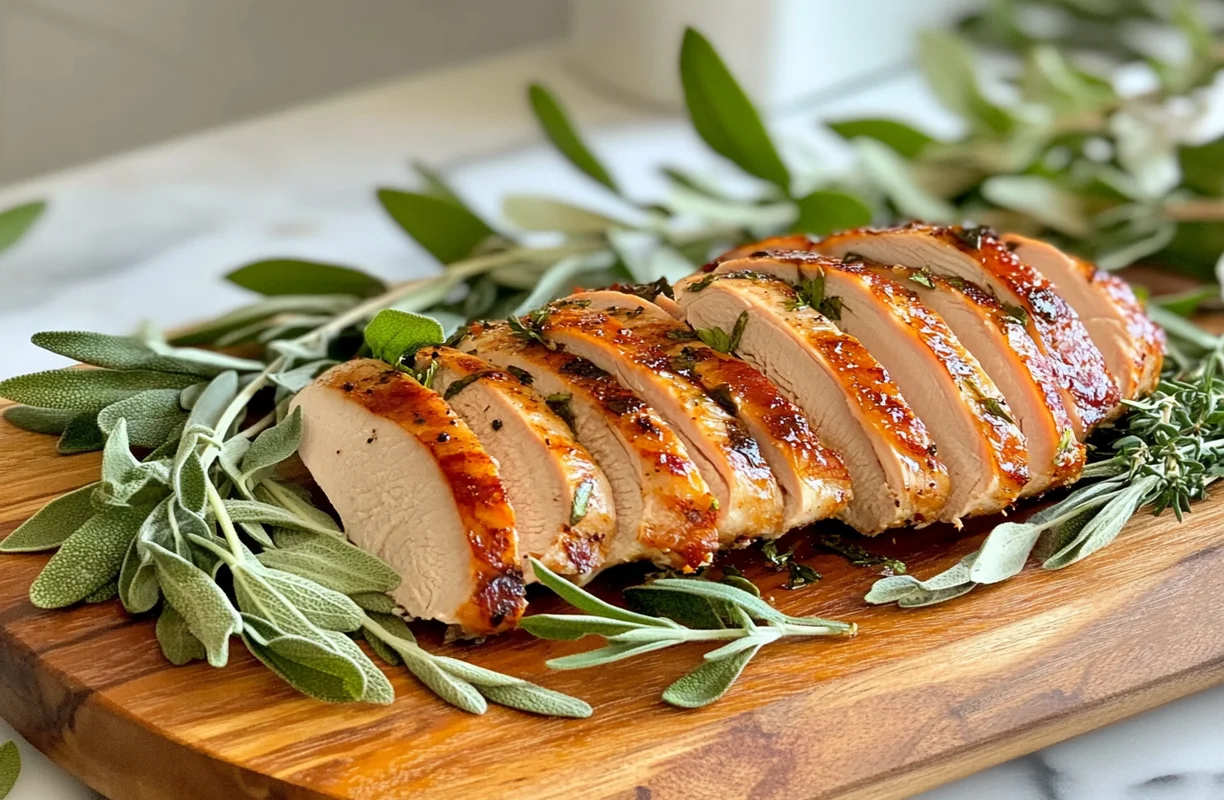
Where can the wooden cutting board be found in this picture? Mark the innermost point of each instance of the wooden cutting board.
(919, 698)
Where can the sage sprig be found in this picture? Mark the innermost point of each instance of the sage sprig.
(683, 610)
(10, 767)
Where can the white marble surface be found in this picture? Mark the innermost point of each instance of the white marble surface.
(146, 235)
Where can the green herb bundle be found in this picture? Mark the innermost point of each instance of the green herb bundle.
(160, 532)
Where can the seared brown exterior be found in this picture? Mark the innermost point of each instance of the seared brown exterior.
(1070, 460)
(756, 508)
(1078, 364)
(691, 535)
(751, 395)
(499, 598)
(583, 543)
(869, 390)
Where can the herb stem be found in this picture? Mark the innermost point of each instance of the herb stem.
(223, 519)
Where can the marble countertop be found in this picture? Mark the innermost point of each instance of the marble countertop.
(147, 235)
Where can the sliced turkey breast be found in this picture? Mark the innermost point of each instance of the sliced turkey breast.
(1133, 346)
(962, 409)
(846, 395)
(413, 485)
(814, 482)
(1002, 345)
(664, 508)
(562, 501)
(749, 499)
(978, 256)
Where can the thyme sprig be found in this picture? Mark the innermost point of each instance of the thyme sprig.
(682, 610)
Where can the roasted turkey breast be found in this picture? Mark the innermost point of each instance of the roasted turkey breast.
(664, 508)
(814, 481)
(1004, 348)
(968, 418)
(846, 395)
(414, 486)
(1131, 343)
(748, 497)
(562, 501)
(978, 256)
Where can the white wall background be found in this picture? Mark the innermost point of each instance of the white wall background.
(80, 79)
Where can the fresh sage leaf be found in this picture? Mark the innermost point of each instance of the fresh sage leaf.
(378, 690)
(152, 417)
(709, 681)
(258, 313)
(39, 420)
(514, 692)
(268, 514)
(287, 276)
(274, 445)
(531, 213)
(891, 174)
(86, 390)
(447, 230)
(81, 436)
(326, 608)
(10, 767)
(567, 627)
(131, 353)
(561, 132)
(825, 211)
(609, 654)
(1042, 199)
(179, 645)
(394, 335)
(52, 524)
(311, 667)
(209, 615)
(15, 222)
(89, 559)
(951, 72)
(375, 602)
(905, 139)
(584, 601)
(330, 562)
(723, 115)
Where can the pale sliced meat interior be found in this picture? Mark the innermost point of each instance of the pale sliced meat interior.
(846, 395)
(1011, 358)
(749, 499)
(413, 485)
(664, 508)
(1131, 344)
(813, 479)
(977, 256)
(562, 501)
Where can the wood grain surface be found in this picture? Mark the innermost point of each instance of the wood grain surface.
(919, 698)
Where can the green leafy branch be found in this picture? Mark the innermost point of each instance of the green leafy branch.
(676, 611)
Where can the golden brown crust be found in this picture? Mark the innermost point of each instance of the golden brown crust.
(870, 391)
(1005, 439)
(1146, 336)
(749, 392)
(673, 477)
(1070, 462)
(751, 484)
(1078, 365)
(499, 598)
(583, 544)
